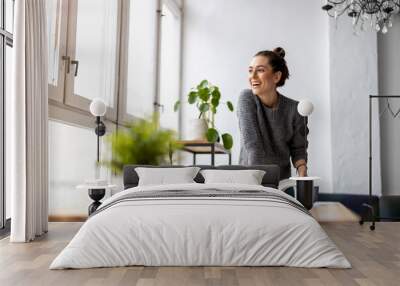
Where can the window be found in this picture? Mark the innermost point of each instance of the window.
(6, 43)
(170, 61)
(92, 48)
(83, 46)
(122, 51)
(142, 58)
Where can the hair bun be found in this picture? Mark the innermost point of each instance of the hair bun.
(280, 52)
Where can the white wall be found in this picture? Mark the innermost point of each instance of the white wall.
(353, 77)
(389, 83)
(220, 38)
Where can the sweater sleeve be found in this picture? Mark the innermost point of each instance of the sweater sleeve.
(299, 143)
(249, 129)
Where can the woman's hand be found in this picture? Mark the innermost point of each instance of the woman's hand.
(302, 170)
(301, 167)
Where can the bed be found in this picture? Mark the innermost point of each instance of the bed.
(201, 224)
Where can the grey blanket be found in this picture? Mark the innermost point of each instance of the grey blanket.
(205, 194)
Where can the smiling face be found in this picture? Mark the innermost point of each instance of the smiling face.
(262, 77)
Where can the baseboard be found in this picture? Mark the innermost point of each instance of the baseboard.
(67, 218)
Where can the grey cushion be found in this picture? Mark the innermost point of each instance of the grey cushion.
(270, 179)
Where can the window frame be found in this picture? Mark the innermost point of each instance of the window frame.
(56, 93)
(122, 116)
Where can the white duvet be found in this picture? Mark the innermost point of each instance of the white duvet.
(200, 231)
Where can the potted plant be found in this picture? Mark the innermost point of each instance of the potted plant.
(207, 98)
(141, 142)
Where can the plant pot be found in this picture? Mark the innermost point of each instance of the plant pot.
(197, 129)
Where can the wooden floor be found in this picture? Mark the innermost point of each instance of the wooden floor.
(375, 257)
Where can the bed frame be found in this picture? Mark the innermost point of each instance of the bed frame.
(270, 179)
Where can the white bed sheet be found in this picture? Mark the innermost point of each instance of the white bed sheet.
(200, 231)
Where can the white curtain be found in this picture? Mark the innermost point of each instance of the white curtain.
(27, 121)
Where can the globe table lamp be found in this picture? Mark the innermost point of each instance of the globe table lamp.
(97, 187)
(98, 109)
(305, 185)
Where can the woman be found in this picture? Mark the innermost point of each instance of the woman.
(271, 129)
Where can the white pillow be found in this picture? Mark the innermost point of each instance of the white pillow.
(163, 176)
(249, 177)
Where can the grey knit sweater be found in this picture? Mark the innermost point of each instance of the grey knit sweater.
(271, 136)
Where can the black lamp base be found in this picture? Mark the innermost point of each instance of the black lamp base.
(305, 193)
(100, 129)
(96, 195)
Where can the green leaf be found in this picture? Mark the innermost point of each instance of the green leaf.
(203, 84)
(204, 107)
(215, 102)
(192, 97)
(215, 97)
(213, 109)
(177, 105)
(215, 93)
(227, 140)
(204, 94)
(230, 105)
(212, 135)
(141, 142)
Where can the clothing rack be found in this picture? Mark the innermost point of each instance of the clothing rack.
(369, 205)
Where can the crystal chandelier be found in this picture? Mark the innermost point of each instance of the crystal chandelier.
(377, 12)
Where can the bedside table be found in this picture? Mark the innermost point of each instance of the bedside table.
(96, 193)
